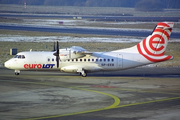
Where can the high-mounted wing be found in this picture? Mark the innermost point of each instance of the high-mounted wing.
(80, 50)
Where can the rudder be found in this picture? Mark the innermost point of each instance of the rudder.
(153, 47)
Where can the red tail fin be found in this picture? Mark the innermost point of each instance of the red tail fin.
(154, 46)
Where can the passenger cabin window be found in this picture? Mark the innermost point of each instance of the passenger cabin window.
(83, 60)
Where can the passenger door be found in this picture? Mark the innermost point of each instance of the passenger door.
(119, 61)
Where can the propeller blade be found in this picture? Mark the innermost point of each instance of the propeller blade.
(57, 54)
(57, 57)
(57, 60)
(58, 48)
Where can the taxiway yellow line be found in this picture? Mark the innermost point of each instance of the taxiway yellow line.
(116, 103)
(146, 102)
(116, 100)
(145, 91)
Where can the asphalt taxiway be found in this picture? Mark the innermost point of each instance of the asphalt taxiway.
(137, 94)
(81, 30)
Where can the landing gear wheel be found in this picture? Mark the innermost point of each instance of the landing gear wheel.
(84, 74)
(16, 73)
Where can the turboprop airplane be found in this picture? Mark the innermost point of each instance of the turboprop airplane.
(78, 60)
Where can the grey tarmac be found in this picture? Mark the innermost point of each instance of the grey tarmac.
(135, 94)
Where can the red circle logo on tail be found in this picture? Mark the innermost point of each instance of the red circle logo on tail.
(153, 47)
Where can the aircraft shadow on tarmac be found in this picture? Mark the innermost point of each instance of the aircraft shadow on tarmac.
(123, 73)
(135, 72)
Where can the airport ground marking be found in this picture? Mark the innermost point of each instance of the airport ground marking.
(116, 100)
(134, 90)
(147, 102)
(145, 91)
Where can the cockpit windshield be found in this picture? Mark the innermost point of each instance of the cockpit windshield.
(16, 56)
(19, 56)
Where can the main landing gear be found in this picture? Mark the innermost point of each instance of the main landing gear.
(17, 72)
(82, 72)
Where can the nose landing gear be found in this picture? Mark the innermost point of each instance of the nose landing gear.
(17, 72)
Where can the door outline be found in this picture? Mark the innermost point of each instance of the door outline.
(119, 60)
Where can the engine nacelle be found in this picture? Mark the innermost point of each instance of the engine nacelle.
(71, 53)
(70, 69)
(78, 68)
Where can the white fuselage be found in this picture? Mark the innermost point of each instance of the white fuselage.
(97, 61)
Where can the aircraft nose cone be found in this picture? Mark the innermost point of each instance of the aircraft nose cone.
(6, 64)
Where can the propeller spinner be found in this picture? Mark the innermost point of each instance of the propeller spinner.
(57, 54)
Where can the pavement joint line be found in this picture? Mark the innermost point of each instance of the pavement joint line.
(133, 90)
(116, 100)
(147, 102)
(129, 89)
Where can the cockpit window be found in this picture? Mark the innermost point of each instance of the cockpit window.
(16, 56)
(19, 56)
(22, 56)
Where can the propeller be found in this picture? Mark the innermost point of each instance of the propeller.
(57, 54)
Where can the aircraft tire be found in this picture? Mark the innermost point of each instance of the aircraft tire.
(84, 75)
(16, 73)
